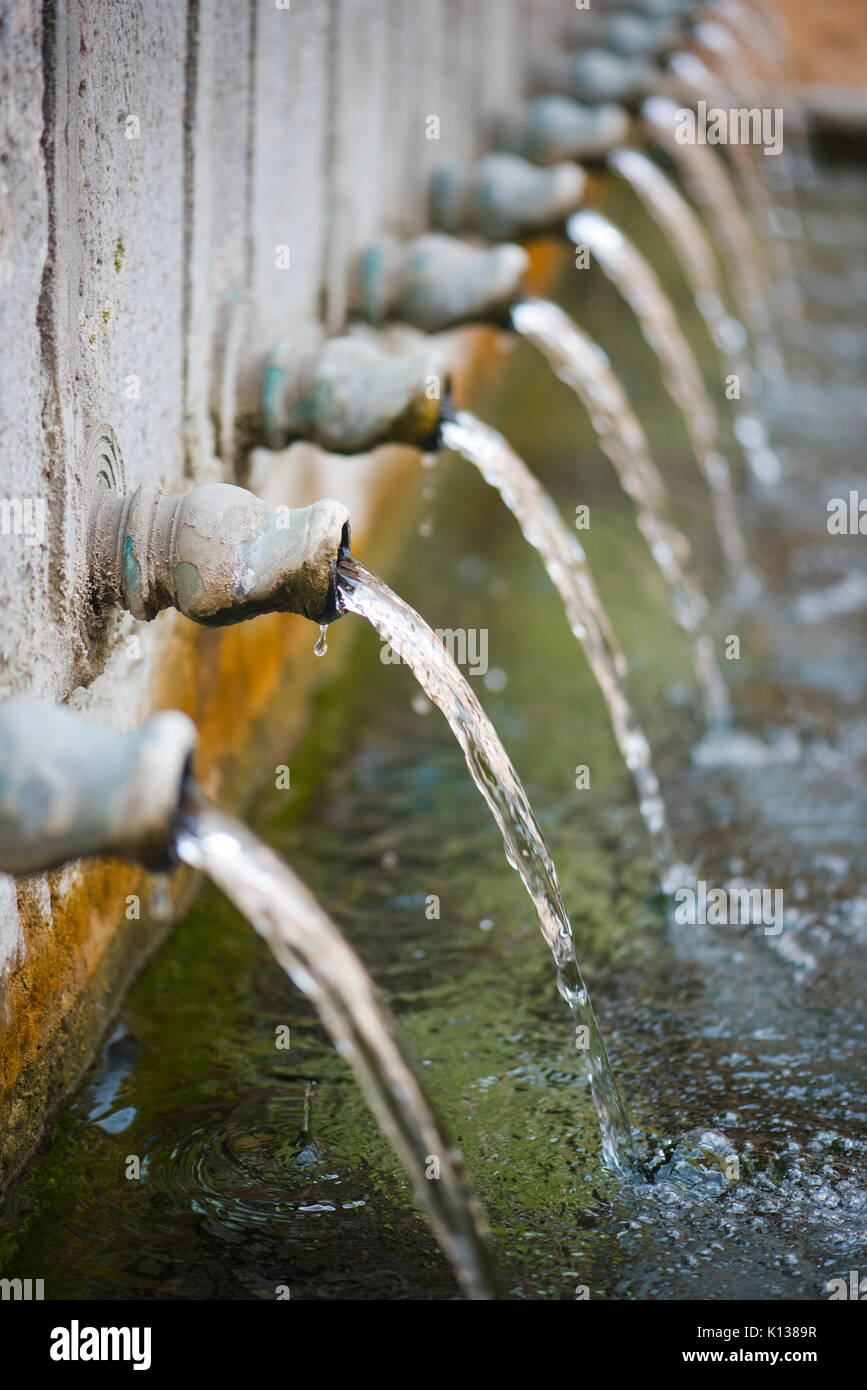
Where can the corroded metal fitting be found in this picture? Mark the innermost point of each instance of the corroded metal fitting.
(218, 555)
(69, 789)
(552, 128)
(352, 395)
(436, 282)
(504, 196)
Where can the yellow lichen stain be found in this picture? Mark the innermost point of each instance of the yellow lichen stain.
(548, 257)
(596, 190)
(61, 954)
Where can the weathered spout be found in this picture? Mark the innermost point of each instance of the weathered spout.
(504, 196)
(435, 281)
(69, 789)
(218, 555)
(352, 395)
(597, 75)
(552, 128)
(631, 33)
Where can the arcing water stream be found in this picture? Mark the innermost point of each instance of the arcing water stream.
(638, 284)
(690, 73)
(712, 190)
(686, 236)
(489, 766)
(311, 950)
(581, 364)
(567, 567)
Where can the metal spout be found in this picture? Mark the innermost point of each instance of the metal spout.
(218, 555)
(631, 33)
(713, 38)
(504, 196)
(597, 75)
(436, 282)
(351, 395)
(552, 128)
(69, 789)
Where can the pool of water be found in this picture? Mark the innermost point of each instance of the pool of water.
(741, 1052)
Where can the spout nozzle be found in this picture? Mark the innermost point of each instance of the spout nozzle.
(435, 282)
(218, 555)
(503, 196)
(355, 395)
(553, 128)
(597, 75)
(69, 789)
(660, 113)
(634, 35)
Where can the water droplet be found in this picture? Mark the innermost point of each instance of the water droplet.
(495, 679)
(160, 903)
(322, 641)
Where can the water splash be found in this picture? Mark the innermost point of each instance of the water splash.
(314, 955)
(581, 364)
(365, 594)
(569, 571)
(628, 270)
(678, 222)
(710, 187)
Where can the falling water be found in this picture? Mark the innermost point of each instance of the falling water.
(635, 280)
(678, 222)
(582, 365)
(569, 571)
(690, 79)
(764, 32)
(314, 955)
(711, 188)
(363, 593)
(732, 56)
